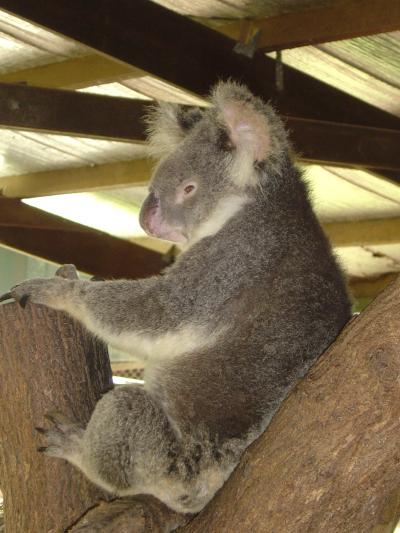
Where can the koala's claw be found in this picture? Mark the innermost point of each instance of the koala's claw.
(21, 299)
(67, 272)
(42, 449)
(63, 439)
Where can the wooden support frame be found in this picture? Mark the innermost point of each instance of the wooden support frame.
(370, 287)
(63, 181)
(91, 115)
(74, 73)
(320, 25)
(58, 240)
(161, 43)
(345, 144)
(71, 113)
(364, 232)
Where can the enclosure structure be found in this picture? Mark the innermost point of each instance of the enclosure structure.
(75, 82)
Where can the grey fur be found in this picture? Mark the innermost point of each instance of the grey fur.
(252, 302)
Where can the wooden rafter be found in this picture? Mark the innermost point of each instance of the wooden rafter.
(370, 287)
(345, 20)
(185, 53)
(74, 73)
(364, 232)
(45, 235)
(290, 30)
(71, 113)
(91, 178)
(92, 115)
(38, 233)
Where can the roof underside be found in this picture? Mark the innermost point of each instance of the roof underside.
(367, 68)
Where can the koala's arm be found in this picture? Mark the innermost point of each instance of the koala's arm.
(110, 309)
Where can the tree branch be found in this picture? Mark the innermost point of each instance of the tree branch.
(328, 462)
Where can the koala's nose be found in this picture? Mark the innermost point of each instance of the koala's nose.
(149, 208)
(152, 200)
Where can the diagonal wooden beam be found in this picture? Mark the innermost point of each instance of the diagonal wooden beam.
(364, 232)
(56, 239)
(370, 287)
(61, 241)
(185, 53)
(345, 20)
(290, 30)
(74, 73)
(63, 181)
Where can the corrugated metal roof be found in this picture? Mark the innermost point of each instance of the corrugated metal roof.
(24, 45)
(367, 68)
(25, 152)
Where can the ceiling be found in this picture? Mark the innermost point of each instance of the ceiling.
(367, 68)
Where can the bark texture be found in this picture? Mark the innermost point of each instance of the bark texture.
(47, 363)
(328, 462)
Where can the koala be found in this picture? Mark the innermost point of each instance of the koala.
(227, 330)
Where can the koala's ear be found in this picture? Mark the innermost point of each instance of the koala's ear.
(167, 126)
(255, 132)
(243, 116)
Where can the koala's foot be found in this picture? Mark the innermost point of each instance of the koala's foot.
(51, 292)
(67, 271)
(63, 439)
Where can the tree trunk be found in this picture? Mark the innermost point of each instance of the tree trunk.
(328, 462)
(47, 363)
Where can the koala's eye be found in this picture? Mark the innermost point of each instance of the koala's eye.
(185, 191)
(189, 189)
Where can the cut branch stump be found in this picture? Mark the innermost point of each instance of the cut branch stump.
(47, 363)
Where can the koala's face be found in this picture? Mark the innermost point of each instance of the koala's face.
(187, 184)
(209, 161)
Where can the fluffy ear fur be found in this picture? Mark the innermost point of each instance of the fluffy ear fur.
(167, 125)
(254, 130)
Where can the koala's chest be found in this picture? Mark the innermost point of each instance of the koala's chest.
(167, 345)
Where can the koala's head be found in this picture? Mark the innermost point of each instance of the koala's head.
(212, 160)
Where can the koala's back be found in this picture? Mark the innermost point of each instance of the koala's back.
(270, 282)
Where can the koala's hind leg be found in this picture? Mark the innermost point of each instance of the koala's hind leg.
(129, 447)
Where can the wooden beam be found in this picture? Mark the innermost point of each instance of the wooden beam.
(363, 232)
(370, 287)
(38, 233)
(63, 181)
(185, 53)
(345, 144)
(74, 73)
(71, 113)
(98, 116)
(346, 20)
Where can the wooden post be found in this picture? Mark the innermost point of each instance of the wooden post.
(47, 362)
(328, 462)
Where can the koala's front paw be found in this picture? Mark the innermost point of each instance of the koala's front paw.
(63, 439)
(51, 292)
